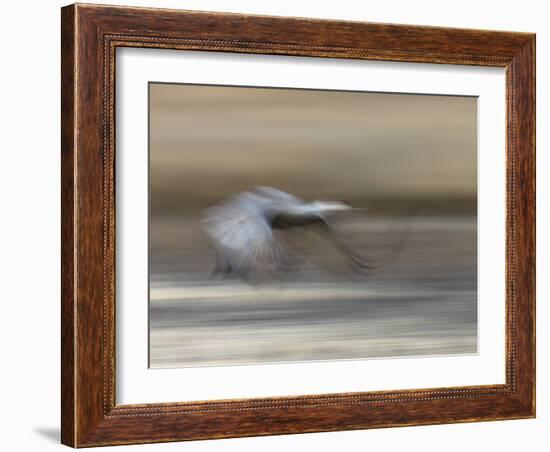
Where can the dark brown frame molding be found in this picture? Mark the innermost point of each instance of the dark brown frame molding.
(90, 35)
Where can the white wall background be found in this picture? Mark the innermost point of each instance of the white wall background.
(29, 98)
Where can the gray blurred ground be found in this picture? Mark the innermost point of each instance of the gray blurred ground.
(423, 303)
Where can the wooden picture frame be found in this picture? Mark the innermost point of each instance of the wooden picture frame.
(90, 35)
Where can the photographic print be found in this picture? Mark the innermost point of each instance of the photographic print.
(294, 225)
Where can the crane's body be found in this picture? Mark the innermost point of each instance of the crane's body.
(241, 230)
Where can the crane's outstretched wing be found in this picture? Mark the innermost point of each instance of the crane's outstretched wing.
(273, 195)
(391, 237)
(242, 237)
(358, 261)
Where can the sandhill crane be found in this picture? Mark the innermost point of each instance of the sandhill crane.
(241, 230)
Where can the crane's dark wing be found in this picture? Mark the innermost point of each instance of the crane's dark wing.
(350, 243)
(242, 236)
(359, 261)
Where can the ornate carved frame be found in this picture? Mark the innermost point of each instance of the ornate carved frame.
(90, 36)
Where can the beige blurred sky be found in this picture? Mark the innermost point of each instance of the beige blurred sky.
(207, 142)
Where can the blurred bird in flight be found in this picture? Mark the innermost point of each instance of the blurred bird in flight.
(242, 232)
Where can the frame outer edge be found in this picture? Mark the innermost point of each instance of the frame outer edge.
(525, 62)
(534, 225)
(68, 242)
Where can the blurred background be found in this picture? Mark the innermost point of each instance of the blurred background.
(410, 159)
